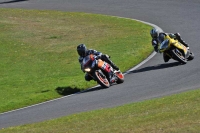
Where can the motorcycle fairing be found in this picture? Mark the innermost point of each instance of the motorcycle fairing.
(103, 65)
(177, 44)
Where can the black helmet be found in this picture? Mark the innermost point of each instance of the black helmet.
(81, 49)
(154, 33)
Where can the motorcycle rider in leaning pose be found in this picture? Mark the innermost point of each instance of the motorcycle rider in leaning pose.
(83, 52)
(158, 38)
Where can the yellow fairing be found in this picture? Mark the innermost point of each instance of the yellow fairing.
(176, 44)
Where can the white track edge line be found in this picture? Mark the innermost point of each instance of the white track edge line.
(140, 64)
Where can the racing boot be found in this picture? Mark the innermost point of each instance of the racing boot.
(178, 37)
(114, 66)
(106, 58)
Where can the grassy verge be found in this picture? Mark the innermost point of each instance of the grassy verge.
(39, 61)
(178, 113)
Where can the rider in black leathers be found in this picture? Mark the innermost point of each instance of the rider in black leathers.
(83, 51)
(158, 38)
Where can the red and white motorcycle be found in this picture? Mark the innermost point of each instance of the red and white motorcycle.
(98, 70)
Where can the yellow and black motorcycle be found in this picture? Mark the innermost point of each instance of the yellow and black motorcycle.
(175, 50)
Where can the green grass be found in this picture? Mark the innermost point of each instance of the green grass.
(39, 61)
(179, 113)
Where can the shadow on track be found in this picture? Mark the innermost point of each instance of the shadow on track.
(67, 90)
(12, 1)
(64, 91)
(159, 66)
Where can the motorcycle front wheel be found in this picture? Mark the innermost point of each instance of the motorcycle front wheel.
(178, 55)
(101, 79)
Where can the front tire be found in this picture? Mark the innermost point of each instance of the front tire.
(101, 79)
(178, 55)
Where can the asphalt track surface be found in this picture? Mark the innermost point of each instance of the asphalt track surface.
(151, 80)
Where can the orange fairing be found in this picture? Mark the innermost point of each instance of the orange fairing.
(103, 65)
(100, 63)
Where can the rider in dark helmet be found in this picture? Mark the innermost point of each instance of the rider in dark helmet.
(83, 51)
(158, 38)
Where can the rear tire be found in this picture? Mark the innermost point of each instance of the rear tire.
(120, 77)
(191, 57)
(101, 79)
(178, 55)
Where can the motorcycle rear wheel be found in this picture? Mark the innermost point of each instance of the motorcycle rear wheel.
(191, 57)
(120, 77)
(101, 79)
